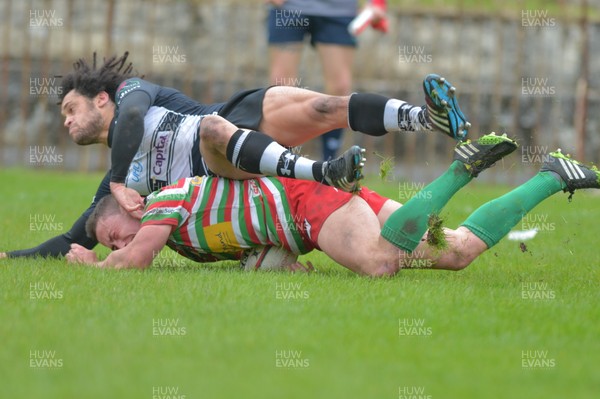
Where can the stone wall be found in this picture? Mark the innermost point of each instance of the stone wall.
(511, 76)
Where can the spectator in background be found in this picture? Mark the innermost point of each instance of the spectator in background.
(326, 22)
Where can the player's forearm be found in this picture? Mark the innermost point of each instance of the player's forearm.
(125, 259)
(114, 187)
(140, 252)
(128, 133)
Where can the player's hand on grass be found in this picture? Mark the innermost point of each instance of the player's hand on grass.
(79, 254)
(129, 199)
(3, 255)
(299, 267)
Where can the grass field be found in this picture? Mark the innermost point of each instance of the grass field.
(513, 325)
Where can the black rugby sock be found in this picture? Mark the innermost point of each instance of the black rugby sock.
(377, 115)
(255, 152)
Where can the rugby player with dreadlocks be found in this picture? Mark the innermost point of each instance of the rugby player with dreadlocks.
(158, 135)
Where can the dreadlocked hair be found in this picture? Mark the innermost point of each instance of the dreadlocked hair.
(90, 80)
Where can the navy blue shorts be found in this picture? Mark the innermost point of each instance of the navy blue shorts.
(289, 26)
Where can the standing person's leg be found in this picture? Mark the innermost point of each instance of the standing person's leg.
(285, 40)
(283, 63)
(337, 62)
(336, 48)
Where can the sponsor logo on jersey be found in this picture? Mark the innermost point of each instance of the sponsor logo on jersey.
(127, 87)
(253, 188)
(196, 180)
(135, 171)
(161, 211)
(161, 156)
(220, 237)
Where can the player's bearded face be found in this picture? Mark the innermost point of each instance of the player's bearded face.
(83, 118)
(89, 127)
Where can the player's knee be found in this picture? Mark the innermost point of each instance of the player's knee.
(213, 130)
(381, 266)
(384, 270)
(324, 105)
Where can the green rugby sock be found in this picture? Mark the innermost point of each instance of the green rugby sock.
(406, 226)
(493, 220)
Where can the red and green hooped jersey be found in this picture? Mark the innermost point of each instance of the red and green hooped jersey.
(222, 217)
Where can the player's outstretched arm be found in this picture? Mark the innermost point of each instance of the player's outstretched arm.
(138, 254)
(60, 245)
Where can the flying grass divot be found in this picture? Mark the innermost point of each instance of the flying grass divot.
(435, 235)
(385, 166)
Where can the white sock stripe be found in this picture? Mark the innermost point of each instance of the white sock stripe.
(473, 148)
(459, 152)
(579, 170)
(438, 118)
(238, 147)
(303, 169)
(270, 158)
(465, 149)
(565, 168)
(572, 167)
(436, 112)
(390, 114)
